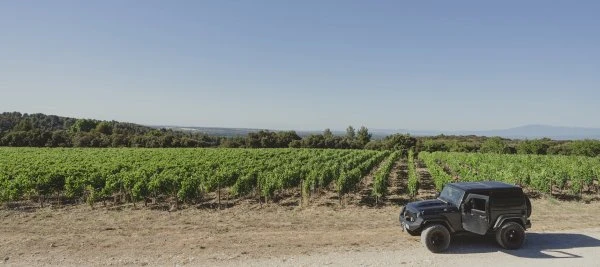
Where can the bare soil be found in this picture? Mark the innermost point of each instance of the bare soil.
(244, 233)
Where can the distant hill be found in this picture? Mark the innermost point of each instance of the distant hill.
(532, 131)
(540, 131)
(41, 130)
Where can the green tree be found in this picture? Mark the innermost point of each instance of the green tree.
(84, 125)
(363, 136)
(261, 139)
(494, 145)
(538, 146)
(350, 133)
(119, 140)
(16, 138)
(374, 145)
(432, 145)
(399, 142)
(284, 138)
(104, 128)
(60, 138)
(24, 125)
(590, 148)
(296, 144)
(314, 141)
(232, 142)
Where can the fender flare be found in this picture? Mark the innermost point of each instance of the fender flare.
(439, 221)
(503, 218)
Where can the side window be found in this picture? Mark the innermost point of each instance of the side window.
(507, 199)
(478, 204)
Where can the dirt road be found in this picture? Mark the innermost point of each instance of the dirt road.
(565, 233)
(567, 248)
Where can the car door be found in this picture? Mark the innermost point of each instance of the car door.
(475, 213)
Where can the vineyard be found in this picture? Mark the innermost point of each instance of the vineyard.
(178, 175)
(182, 175)
(571, 175)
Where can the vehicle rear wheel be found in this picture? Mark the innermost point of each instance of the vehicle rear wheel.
(510, 235)
(436, 238)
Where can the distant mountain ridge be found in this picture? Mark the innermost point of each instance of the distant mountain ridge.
(531, 131)
(540, 131)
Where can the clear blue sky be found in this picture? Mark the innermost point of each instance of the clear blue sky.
(445, 65)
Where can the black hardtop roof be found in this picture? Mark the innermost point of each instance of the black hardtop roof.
(485, 185)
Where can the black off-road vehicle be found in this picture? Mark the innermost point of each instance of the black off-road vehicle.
(478, 207)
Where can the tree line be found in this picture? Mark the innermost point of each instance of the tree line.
(498, 145)
(40, 130)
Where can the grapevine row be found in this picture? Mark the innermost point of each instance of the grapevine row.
(413, 180)
(538, 172)
(380, 180)
(179, 174)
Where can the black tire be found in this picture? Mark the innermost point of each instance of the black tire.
(436, 238)
(511, 235)
(413, 233)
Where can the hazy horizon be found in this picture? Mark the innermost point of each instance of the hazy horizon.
(356, 127)
(309, 65)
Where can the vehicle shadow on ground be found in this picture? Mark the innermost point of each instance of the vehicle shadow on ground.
(537, 245)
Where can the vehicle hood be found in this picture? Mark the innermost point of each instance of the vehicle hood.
(428, 205)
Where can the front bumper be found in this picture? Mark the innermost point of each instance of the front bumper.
(410, 220)
(528, 224)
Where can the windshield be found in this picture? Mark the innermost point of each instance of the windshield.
(452, 195)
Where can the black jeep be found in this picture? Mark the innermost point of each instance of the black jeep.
(477, 207)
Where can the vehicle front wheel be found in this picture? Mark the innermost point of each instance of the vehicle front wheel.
(510, 235)
(436, 238)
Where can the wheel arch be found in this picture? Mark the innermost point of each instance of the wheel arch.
(427, 223)
(508, 218)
